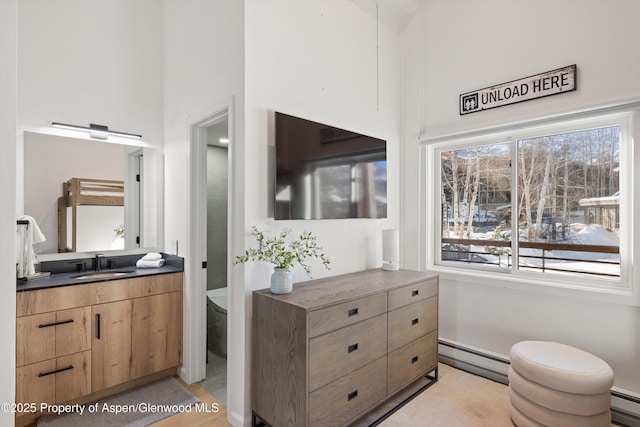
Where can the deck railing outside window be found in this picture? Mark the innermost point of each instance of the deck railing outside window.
(549, 257)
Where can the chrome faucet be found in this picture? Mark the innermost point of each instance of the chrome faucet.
(98, 266)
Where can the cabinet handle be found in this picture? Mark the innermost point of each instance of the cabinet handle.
(415, 293)
(352, 312)
(414, 359)
(55, 372)
(352, 395)
(414, 321)
(46, 325)
(98, 325)
(352, 348)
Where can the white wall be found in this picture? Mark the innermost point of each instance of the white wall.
(464, 45)
(203, 72)
(203, 68)
(93, 61)
(329, 62)
(8, 76)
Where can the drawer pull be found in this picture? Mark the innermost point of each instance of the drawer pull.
(46, 325)
(98, 326)
(353, 347)
(414, 322)
(55, 372)
(414, 359)
(415, 293)
(352, 312)
(352, 395)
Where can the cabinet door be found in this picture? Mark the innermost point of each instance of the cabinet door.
(111, 344)
(156, 333)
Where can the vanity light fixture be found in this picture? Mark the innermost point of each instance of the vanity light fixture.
(96, 131)
(223, 140)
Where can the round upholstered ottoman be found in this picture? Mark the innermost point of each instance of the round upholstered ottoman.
(553, 384)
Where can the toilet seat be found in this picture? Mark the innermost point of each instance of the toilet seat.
(217, 299)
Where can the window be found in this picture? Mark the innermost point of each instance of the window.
(547, 201)
(476, 204)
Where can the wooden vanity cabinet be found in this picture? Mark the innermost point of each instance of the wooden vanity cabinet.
(335, 348)
(72, 341)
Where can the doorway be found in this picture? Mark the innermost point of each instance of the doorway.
(217, 207)
(208, 262)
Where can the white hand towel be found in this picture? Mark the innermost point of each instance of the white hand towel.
(142, 263)
(22, 250)
(152, 256)
(25, 255)
(34, 230)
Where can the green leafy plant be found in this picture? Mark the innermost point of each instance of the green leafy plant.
(277, 251)
(119, 230)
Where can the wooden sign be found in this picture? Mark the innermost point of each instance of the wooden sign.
(544, 84)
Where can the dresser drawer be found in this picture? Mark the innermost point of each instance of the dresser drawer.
(412, 361)
(411, 322)
(339, 352)
(412, 293)
(341, 401)
(344, 314)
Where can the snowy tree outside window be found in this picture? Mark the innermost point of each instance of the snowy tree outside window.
(545, 203)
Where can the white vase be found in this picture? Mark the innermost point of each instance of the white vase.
(281, 282)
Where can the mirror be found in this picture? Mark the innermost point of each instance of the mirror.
(85, 196)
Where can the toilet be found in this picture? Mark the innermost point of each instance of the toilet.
(217, 321)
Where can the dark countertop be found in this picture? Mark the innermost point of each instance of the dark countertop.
(172, 265)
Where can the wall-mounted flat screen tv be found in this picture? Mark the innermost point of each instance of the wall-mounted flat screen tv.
(323, 172)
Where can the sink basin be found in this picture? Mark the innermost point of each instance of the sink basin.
(102, 274)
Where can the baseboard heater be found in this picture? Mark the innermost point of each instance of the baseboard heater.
(625, 408)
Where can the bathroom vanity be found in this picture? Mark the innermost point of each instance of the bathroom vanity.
(336, 348)
(79, 342)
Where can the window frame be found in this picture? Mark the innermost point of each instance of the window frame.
(620, 289)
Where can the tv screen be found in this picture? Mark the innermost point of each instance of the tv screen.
(323, 172)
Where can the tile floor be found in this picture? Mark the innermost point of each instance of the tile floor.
(216, 381)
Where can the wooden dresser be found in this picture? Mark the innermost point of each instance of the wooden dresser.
(337, 347)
